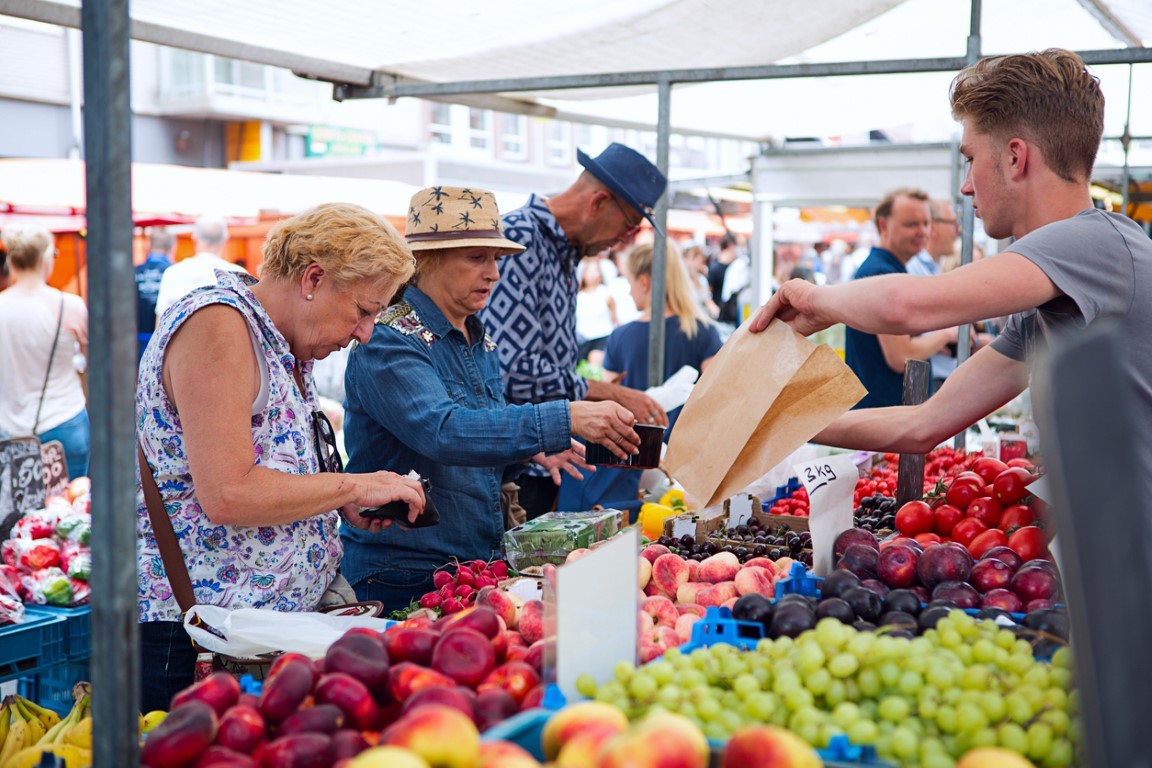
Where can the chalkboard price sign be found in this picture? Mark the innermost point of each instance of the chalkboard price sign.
(21, 480)
(55, 468)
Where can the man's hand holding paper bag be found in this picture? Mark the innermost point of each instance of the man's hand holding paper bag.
(763, 396)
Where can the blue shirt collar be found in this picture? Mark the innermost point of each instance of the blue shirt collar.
(434, 320)
(551, 227)
(888, 257)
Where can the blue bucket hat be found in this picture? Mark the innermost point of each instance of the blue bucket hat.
(628, 174)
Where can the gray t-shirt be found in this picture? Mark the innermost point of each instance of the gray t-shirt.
(1102, 262)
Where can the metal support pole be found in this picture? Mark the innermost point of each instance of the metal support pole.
(108, 150)
(660, 244)
(968, 214)
(910, 470)
(1126, 142)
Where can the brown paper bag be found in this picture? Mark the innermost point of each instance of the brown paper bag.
(762, 397)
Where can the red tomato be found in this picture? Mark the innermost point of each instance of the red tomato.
(1011, 485)
(988, 468)
(962, 492)
(946, 517)
(915, 517)
(993, 537)
(972, 476)
(967, 529)
(1029, 543)
(926, 539)
(985, 510)
(1022, 464)
(1017, 516)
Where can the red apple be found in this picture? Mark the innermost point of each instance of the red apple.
(897, 566)
(990, 574)
(465, 655)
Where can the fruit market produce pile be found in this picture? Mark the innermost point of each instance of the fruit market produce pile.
(747, 542)
(28, 732)
(926, 701)
(46, 559)
(458, 583)
(423, 685)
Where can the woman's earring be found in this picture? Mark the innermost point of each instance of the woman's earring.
(309, 297)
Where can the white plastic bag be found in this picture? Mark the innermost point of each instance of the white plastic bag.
(250, 632)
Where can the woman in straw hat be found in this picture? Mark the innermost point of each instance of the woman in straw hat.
(432, 355)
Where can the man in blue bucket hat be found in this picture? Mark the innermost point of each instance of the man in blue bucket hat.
(532, 311)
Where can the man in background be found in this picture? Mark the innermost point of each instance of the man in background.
(210, 234)
(161, 247)
(941, 240)
(532, 311)
(903, 220)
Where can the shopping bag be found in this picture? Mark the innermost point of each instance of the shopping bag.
(255, 633)
(763, 396)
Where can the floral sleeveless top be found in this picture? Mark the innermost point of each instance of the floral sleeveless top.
(284, 567)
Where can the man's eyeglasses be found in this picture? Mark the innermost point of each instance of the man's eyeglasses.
(327, 455)
(628, 212)
(953, 222)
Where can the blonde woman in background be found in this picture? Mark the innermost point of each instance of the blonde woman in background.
(43, 344)
(689, 339)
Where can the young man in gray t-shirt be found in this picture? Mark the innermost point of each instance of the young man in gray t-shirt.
(1031, 129)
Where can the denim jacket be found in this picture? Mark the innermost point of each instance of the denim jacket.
(419, 396)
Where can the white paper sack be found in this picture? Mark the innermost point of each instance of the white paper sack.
(676, 390)
(254, 631)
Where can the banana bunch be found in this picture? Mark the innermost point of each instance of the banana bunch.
(33, 731)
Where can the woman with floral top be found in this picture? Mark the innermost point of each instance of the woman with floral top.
(227, 419)
(432, 354)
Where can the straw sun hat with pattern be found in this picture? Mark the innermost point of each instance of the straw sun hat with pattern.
(455, 217)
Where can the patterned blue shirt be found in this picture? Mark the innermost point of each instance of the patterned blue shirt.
(532, 311)
(420, 397)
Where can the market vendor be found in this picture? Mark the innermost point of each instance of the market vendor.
(227, 418)
(1031, 129)
(432, 354)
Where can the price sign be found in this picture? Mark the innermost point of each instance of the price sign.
(739, 510)
(21, 480)
(684, 525)
(830, 483)
(55, 468)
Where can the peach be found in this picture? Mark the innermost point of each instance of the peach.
(506, 605)
(717, 594)
(660, 739)
(576, 554)
(513, 677)
(767, 746)
(505, 754)
(784, 567)
(669, 572)
(684, 626)
(653, 551)
(693, 570)
(643, 572)
(652, 589)
(660, 610)
(689, 590)
(762, 562)
(531, 624)
(730, 603)
(692, 608)
(573, 719)
(721, 566)
(755, 580)
(387, 757)
(653, 645)
(993, 757)
(583, 749)
(441, 735)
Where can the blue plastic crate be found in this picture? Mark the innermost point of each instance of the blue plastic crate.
(718, 626)
(36, 643)
(52, 686)
(524, 729)
(799, 582)
(782, 492)
(77, 630)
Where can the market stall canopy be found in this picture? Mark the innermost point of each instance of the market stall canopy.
(456, 40)
(164, 194)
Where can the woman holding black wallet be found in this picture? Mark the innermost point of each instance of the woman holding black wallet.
(432, 354)
(244, 464)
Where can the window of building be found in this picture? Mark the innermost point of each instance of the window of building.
(479, 128)
(440, 123)
(514, 137)
(558, 149)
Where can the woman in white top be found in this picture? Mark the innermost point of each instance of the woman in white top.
(43, 344)
(595, 312)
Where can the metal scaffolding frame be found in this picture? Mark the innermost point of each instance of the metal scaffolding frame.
(107, 28)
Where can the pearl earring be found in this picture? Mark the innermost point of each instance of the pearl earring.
(309, 297)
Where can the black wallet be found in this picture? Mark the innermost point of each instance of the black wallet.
(397, 511)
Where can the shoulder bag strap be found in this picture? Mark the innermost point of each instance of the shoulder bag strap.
(51, 355)
(170, 554)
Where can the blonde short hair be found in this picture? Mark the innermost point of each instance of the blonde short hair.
(350, 242)
(26, 246)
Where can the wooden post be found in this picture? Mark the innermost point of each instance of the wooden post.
(910, 476)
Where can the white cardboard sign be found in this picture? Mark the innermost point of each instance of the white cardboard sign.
(830, 483)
